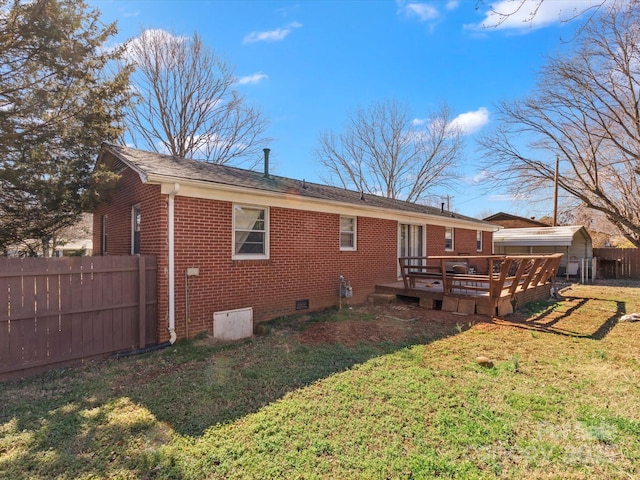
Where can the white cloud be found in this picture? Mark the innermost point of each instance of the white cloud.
(471, 122)
(452, 4)
(161, 35)
(465, 123)
(479, 177)
(529, 15)
(423, 11)
(271, 35)
(252, 79)
(152, 36)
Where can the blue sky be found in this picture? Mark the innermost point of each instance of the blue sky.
(307, 64)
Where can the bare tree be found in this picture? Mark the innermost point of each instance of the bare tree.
(186, 104)
(586, 111)
(526, 11)
(384, 150)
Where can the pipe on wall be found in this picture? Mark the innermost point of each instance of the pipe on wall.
(172, 273)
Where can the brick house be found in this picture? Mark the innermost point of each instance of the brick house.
(227, 238)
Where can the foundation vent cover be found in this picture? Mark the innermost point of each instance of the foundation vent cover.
(233, 324)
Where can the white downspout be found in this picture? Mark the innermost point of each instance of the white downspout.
(172, 275)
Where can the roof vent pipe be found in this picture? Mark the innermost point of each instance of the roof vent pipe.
(442, 207)
(266, 161)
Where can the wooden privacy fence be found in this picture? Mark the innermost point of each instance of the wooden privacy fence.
(618, 262)
(54, 311)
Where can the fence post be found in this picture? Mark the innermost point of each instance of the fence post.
(142, 302)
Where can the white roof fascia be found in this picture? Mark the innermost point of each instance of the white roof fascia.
(237, 194)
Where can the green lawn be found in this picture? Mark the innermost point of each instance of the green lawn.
(562, 401)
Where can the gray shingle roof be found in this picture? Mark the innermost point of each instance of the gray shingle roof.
(150, 164)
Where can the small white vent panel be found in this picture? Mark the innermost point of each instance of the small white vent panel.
(233, 324)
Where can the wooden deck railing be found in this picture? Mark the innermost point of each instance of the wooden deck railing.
(507, 274)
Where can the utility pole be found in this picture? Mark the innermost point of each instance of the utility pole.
(555, 194)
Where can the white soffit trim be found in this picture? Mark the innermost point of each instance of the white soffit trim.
(233, 194)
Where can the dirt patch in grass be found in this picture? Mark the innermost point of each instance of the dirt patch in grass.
(574, 315)
(395, 323)
(372, 391)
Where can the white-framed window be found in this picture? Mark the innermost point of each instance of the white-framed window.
(348, 226)
(135, 229)
(448, 239)
(250, 232)
(103, 234)
(479, 240)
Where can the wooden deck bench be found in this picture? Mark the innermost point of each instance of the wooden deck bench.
(509, 274)
(415, 272)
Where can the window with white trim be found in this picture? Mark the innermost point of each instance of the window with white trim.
(135, 229)
(448, 239)
(250, 232)
(348, 233)
(479, 240)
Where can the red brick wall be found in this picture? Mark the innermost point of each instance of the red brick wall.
(464, 243)
(305, 258)
(305, 263)
(153, 222)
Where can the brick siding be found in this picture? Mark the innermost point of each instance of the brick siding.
(305, 259)
(305, 263)
(464, 243)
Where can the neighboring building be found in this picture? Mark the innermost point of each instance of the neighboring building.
(573, 241)
(228, 239)
(75, 248)
(76, 240)
(507, 220)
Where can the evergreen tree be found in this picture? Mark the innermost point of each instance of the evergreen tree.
(58, 102)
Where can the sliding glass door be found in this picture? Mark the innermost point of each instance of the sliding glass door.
(411, 242)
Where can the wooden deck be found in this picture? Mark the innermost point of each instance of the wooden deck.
(454, 284)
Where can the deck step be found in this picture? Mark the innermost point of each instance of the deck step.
(381, 298)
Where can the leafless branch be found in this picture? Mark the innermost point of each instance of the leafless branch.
(382, 151)
(585, 111)
(530, 9)
(186, 104)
